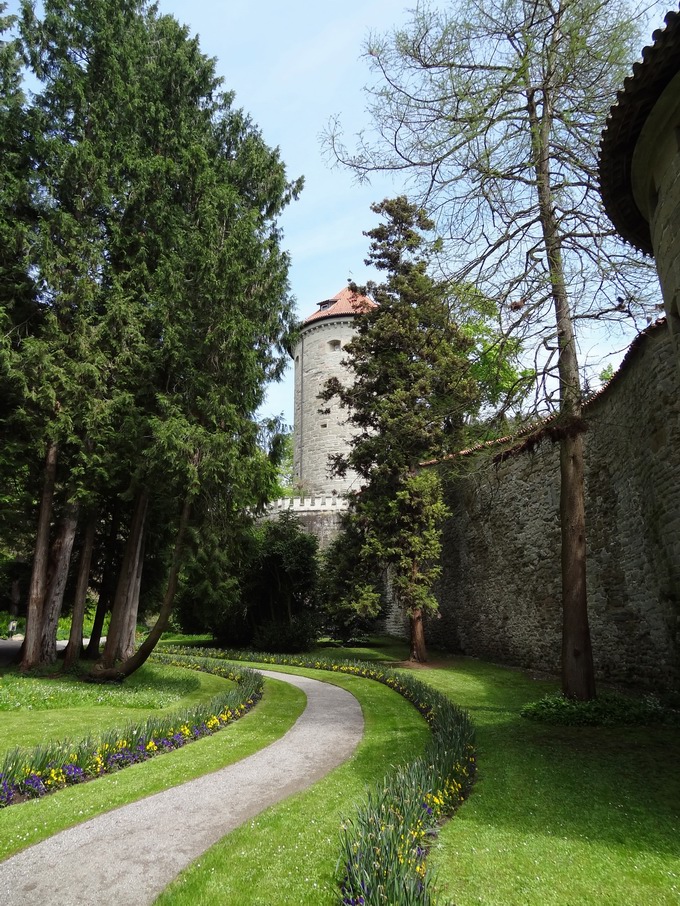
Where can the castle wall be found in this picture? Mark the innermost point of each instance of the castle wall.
(320, 516)
(500, 590)
(320, 428)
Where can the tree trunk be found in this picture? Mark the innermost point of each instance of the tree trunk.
(75, 639)
(106, 588)
(129, 633)
(418, 647)
(103, 673)
(38, 586)
(60, 561)
(578, 674)
(126, 578)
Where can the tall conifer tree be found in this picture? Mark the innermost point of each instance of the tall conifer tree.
(411, 388)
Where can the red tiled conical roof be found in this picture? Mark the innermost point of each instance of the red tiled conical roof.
(346, 302)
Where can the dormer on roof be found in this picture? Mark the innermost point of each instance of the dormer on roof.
(346, 302)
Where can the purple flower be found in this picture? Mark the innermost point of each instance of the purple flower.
(7, 791)
(74, 774)
(33, 786)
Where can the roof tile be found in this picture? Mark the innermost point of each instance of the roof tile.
(346, 302)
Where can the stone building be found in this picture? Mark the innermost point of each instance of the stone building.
(321, 429)
(640, 161)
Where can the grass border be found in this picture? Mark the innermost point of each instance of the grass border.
(30, 773)
(384, 848)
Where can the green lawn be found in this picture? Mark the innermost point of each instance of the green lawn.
(35, 709)
(559, 816)
(288, 854)
(30, 822)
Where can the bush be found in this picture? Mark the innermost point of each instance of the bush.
(286, 638)
(610, 709)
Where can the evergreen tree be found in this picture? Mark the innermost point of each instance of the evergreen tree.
(410, 392)
(17, 306)
(163, 291)
(494, 111)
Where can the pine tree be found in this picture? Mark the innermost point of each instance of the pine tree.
(163, 289)
(411, 389)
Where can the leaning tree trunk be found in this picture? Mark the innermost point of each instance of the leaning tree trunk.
(74, 649)
(106, 588)
(38, 586)
(60, 561)
(418, 647)
(126, 578)
(578, 674)
(129, 632)
(100, 671)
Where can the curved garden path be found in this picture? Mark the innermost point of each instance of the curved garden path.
(129, 855)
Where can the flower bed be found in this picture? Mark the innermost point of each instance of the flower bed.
(383, 860)
(28, 773)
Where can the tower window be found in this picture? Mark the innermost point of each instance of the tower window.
(334, 345)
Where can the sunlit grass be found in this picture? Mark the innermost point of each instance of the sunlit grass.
(28, 823)
(559, 815)
(376, 648)
(289, 853)
(99, 706)
(150, 687)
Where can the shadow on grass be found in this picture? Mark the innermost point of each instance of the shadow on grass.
(619, 786)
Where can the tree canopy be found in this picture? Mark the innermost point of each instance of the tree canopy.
(410, 390)
(159, 304)
(493, 112)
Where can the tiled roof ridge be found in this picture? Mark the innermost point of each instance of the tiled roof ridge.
(541, 424)
(346, 302)
(634, 102)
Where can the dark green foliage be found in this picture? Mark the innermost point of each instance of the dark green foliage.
(609, 709)
(279, 582)
(260, 584)
(351, 590)
(160, 307)
(283, 636)
(411, 389)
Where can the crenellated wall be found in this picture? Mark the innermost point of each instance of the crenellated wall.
(500, 589)
(320, 515)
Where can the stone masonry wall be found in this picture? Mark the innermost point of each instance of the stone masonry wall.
(320, 516)
(320, 428)
(500, 589)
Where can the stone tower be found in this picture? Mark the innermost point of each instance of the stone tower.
(320, 428)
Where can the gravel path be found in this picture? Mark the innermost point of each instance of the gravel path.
(129, 855)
